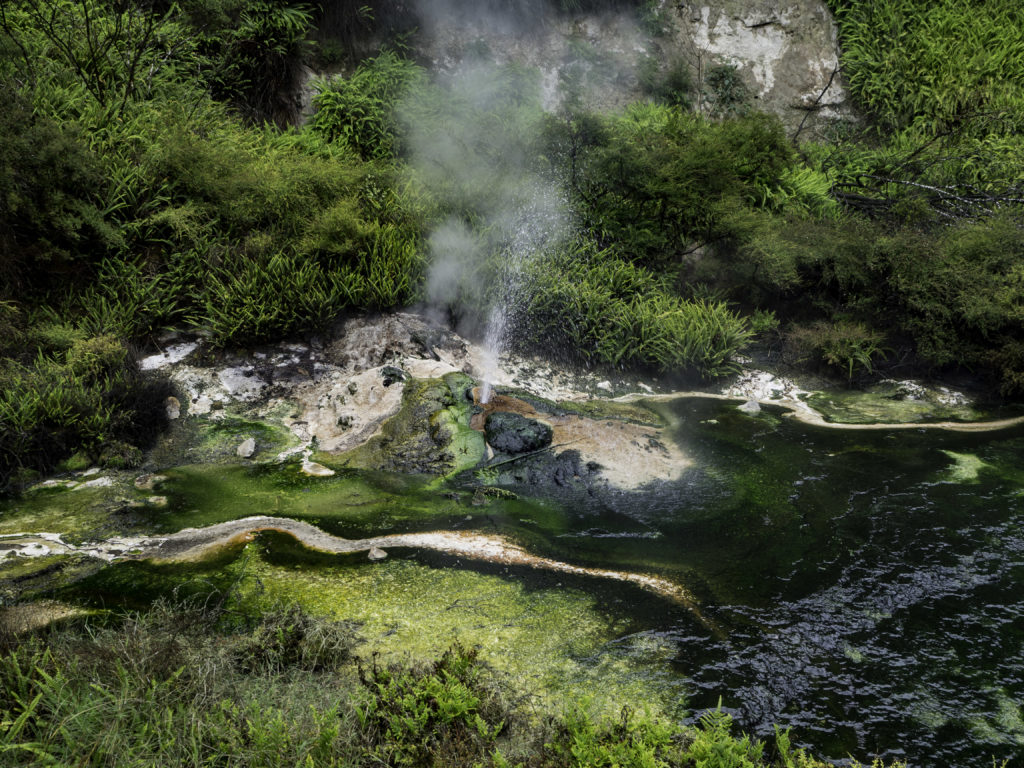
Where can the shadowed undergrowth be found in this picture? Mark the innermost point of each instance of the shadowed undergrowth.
(197, 685)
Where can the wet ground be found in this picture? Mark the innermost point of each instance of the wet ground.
(859, 585)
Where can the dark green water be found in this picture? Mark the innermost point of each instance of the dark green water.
(871, 584)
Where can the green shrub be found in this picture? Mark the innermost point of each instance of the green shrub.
(251, 301)
(669, 82)
(656, 180)
(714, 746)
(88, 398)
(609, 311)
(955, 59)
(441, 715)
(946, 108)
(359, 111)
(725, 91)
(51, 185)
(634, 741)
(845, 346)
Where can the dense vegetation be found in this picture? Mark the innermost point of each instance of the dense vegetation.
(148, 182)
(184, 686)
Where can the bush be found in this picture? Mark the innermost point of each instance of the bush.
(656, 180)
(359, 111)
(51, 184)
(955, 59)
(441, 715)
(609, 311)
(946, 108)
(844, 346)
(88, 397)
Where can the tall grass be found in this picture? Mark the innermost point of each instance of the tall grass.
(606, 310)
(936, 66)
(179, 686)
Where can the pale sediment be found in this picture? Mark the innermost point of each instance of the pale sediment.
(193, 544)
(802, 412)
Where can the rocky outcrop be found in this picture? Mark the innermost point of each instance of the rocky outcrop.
(785, 52)
(512, 433)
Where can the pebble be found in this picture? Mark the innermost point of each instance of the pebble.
(247, 448)
(149, 482)
(173, 406)
(376, 553)
(313, 469)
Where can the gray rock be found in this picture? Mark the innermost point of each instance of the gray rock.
(751, 406)
(376, 554)
(511, 433)
(173, 407)
(247, 448)
(149, 482)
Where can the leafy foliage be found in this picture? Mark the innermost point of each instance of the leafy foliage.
(359, 111)
(187, 684)
(51, 205)
(71, 392)
(935, 65)
(656, 179)
(607, 310)
(946, 101)
(441, 715)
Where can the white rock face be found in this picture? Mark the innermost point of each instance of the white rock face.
(173, 354)
(787, 52)
(247, 448)
(173, 407)
(313, 469)
(751, 407)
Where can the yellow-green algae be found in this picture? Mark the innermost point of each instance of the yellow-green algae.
(1004, 726)
(430, 433)
(348, 503)
(555, 642)
(885, 404)
(966, 467)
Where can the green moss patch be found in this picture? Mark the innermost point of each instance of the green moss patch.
(554, 641)
(429, 435)
(886, 404)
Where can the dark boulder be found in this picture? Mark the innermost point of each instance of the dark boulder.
(511, 433)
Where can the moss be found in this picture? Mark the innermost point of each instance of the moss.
(14, 568)
(75, 463)
(135, 584)
(77, 514)
(634, 412)
(885, 404)
(553, 640)
(195, 441)
(27, 579)
(429, 435)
